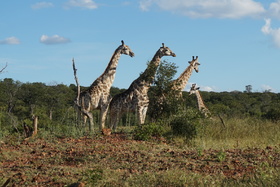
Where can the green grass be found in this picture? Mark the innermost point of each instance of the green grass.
(237, 133)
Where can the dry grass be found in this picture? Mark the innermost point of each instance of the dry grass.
(237, 133)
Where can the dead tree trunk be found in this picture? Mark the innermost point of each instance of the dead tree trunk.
(31, 131)
(81, 110)
(35, 125)
(77, 82)
(76, 101)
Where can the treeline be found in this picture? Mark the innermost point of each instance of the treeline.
(264, 105)
(55, 102)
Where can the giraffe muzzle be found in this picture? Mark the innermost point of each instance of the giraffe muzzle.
(131, 54)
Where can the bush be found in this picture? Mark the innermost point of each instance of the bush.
(186, 124)
(147, 131)
(273, 114)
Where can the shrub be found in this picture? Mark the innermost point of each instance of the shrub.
(147, 131)
(273, 114)
(186, 124)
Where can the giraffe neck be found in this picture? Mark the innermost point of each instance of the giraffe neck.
(200, 102)
(149, 74)
(181, 82)
(108, 76)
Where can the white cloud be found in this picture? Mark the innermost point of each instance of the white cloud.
(266, 29)
(11, 40)
(41, 5)
(273, 33)
(201, 88)
(87, 4)
(55, 39)
(208, 8)
(267, 88)
(274, 9)
(145, 4)
(206, 88)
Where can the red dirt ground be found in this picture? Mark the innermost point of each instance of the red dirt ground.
(60, 162)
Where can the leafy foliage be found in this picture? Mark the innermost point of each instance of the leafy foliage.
(162, 102)
(186, 124)
(147, 131)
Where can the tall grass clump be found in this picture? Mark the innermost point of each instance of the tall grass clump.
(238, 133)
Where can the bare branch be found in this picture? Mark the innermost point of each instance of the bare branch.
(4, 68)
(77, 82)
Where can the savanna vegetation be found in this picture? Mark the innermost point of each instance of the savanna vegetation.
(177, 146)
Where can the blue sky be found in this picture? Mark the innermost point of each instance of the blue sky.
(237, 41)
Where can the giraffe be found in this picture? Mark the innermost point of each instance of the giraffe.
(180, 83)
(135, 98)
(177, 86)
(201, 105)
(97, 96)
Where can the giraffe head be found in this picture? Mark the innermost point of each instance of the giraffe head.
(165, 51)
(193, 89)
(125, 49)
(195, 63)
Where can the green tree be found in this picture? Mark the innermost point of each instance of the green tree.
(8, 91)
(160, 92)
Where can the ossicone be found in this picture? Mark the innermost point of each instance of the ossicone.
(194, 58)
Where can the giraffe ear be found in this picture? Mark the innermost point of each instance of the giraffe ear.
(122, 42)
(197, 88)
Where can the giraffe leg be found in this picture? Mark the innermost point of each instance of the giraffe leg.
(139, 115)
(91, 125)
(103, 114)
(114, 118)
(113, 122)
(88, 115)
(141, 112)
(79, 118)
(85, 110)
(84, 120)
(144, 112)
